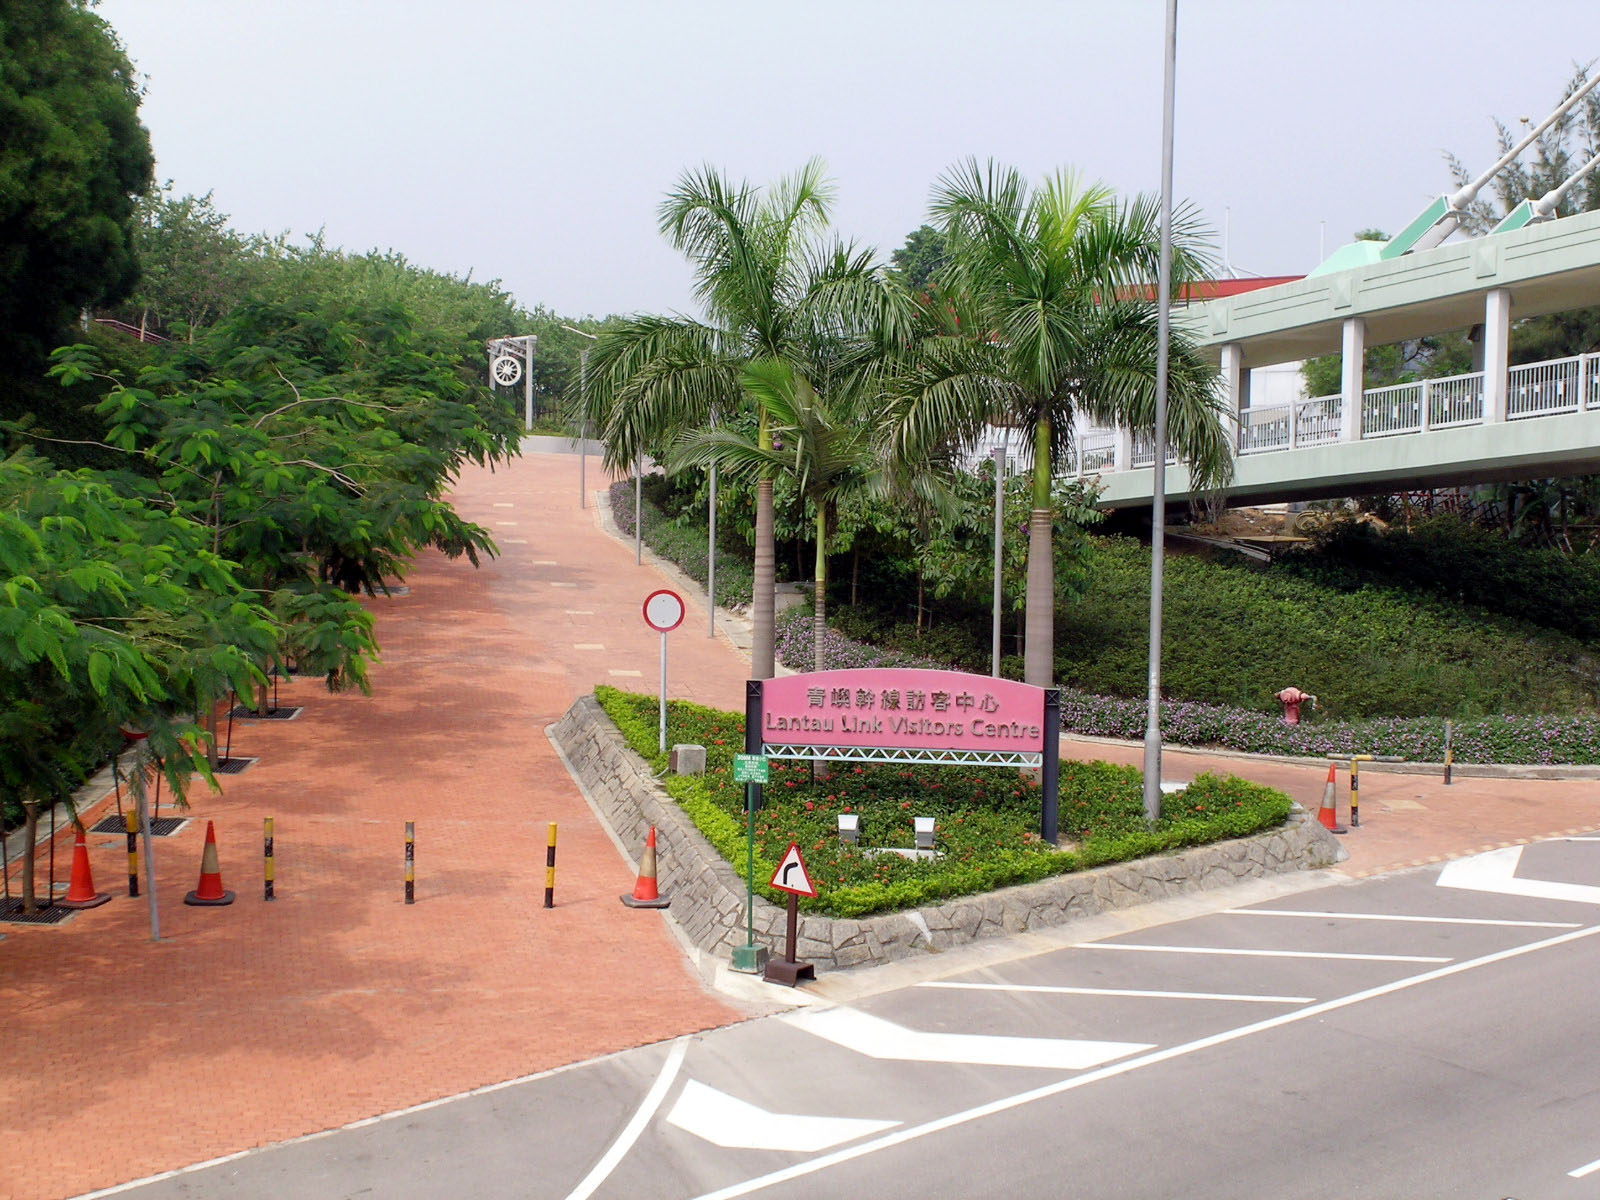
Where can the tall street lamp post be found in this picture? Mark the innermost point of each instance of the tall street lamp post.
(583, 419)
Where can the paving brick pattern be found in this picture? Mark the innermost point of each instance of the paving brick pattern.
(258, 1022)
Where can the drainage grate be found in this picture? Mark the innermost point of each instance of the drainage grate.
(286, 713)
(47, 914)
(160, 827)
(235, 766)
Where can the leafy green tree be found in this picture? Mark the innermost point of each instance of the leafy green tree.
(773, 288)
(917, 264)
(111, 611)
(1056, 282)
(193, 267)
(73, 161)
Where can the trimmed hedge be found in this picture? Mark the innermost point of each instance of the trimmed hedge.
(986, 820)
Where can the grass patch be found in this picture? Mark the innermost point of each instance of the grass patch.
(986, 819)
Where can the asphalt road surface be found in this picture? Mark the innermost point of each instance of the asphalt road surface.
(1427, 1034)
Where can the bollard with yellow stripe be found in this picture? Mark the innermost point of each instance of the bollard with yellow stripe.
(550, 869)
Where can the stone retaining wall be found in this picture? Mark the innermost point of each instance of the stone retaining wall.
(708, 896)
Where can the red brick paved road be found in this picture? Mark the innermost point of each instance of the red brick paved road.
(259, 1022)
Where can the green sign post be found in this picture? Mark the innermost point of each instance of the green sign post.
(751, 769)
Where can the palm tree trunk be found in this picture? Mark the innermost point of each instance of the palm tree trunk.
(819, 616)
(1038, 662)
(761, 638)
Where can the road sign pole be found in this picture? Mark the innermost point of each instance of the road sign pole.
(751, 958)
(663, 693)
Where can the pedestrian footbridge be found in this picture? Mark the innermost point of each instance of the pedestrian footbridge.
(1496, 422)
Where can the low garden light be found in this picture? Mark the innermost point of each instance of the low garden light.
(924, 831)
(850, 828)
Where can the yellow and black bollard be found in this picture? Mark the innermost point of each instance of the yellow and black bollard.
(1355, 787)
(270, 871)
(411, 862)
(132, 822)
(550, 869)
(1449, 753)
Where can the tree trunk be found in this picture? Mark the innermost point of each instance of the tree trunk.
(819, 616)
(1038, 663)
(920, 593)
(819, 611)
(855, 574)
(30, 843)
(761, 655)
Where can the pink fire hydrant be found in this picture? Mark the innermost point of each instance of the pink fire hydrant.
(1292, 698)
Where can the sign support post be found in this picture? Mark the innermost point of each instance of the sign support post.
(663, 612)
(1050, 773)
(786, 970)
(750, 958)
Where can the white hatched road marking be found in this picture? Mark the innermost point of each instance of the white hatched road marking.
(735, 1124)
(1350, 916)
(1586, 1169)
(1496, 871)
(1416, 958)
(877, 1038)
(1006, 1103)
(1131, 992)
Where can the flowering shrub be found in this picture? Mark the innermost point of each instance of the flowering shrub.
(986, 820)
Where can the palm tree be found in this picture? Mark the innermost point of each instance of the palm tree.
(773, 288)
(1051, 288)
(830, 451)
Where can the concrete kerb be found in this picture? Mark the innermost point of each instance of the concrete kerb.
(1376, 766)
(709, 897)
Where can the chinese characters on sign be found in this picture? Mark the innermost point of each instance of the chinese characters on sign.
(904, 708)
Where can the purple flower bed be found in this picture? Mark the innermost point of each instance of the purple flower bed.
(1500, 739)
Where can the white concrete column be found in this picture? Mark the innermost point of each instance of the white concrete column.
(1234, 377)
(1124, 448)
(1353, 375)
(1496, 353)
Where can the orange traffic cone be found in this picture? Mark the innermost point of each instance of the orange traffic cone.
(208, 892)
(82, 894)
(644, 894)
(1328, 814)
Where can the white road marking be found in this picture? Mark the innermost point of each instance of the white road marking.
(629, 674)
(1132, 992)
(877, 1038)
(1006, 1103)
(557, 583)
(1261, 953)
(1586, 1169)
(545, 562)
(1584, 838)
(1496, 871)
(507, 524)
(630, 1133)
(513, 541)
(503, 504)
(727, 1121)
(580, 612)
(1350, 916)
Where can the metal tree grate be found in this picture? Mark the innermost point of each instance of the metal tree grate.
(47, 914)
(286, 713)
(234, 766)
(160, 827)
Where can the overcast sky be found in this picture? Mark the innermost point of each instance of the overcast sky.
(532, 142)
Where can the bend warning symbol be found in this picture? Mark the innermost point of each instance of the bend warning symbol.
(791, 875)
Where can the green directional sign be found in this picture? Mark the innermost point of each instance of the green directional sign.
(750, 768)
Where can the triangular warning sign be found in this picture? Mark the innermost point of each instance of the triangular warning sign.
(791, 875)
